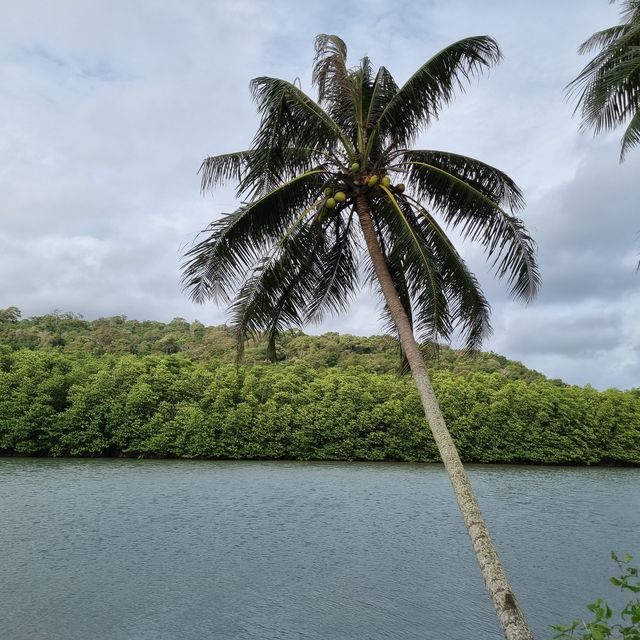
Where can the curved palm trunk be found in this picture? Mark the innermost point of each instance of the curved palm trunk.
(510, 616)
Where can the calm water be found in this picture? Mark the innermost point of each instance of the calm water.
(137, 550)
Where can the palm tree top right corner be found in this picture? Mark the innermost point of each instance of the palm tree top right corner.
(607, 90)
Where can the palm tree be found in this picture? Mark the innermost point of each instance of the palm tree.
(317, 185)
(608, 88)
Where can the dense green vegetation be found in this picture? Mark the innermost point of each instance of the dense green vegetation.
(114, 386)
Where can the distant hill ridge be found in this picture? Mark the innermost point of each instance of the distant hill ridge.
(68, 332)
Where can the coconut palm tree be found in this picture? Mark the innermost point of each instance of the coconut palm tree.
(608, 88)
(333, 195)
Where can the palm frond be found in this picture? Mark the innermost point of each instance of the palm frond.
(269, 167)
(218, 170)
(330, 66)
(602, 39)
(361, 87)
(469, 307)
(433, 86)
(310, 271)
(330, 73)
(342, 91)
(271, 298)
(291, 119)
(232, 244)
(631, 135)
(384, 90)
(473, 206)
(629, 8)
(607, 89)
(337, 272)
(431, 315)
(492, 182)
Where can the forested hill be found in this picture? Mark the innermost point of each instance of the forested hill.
(117, 387)
(70, 333)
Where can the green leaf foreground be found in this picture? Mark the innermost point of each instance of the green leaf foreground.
(603, 623)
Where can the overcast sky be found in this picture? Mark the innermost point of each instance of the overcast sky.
(108, 108)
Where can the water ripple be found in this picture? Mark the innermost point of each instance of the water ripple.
(167, 550)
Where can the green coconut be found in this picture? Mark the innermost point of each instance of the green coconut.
(330, 203)
(372, 181)
(328, 192)
(400, 187)
(386, 181)
(341, 196)
(355, 167)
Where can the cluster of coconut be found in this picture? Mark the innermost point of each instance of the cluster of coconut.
(373, 180)
(333, 198)
(385, 181)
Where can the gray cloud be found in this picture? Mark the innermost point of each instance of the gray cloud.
(587, 333)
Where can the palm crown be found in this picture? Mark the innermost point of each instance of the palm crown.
(292, 251)
(608, 88)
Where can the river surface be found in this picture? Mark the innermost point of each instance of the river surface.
(181, 550)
